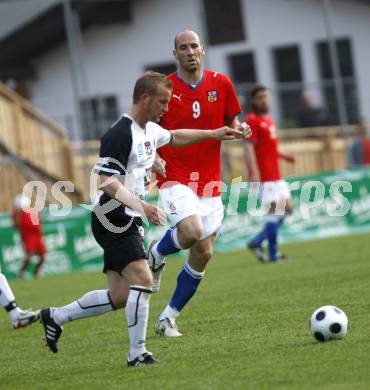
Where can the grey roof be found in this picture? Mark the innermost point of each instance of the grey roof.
(15, 13)
(45, 29)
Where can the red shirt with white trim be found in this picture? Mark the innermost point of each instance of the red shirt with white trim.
(206, 106)
(265, 140)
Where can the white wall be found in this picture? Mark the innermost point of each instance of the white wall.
(355, 21)
(277, 23)
(116, 55)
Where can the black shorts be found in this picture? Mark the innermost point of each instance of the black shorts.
(120, 249)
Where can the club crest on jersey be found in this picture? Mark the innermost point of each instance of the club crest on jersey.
(212, 96)
(172, 208)
(148, 148)
(140, 150)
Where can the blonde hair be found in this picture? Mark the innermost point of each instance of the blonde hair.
(148, 83)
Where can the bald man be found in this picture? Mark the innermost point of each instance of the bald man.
(190, 190)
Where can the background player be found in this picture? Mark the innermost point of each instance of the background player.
(190, 193)
(29, 226)
(18, 317)
(262, 160)
(127, 152)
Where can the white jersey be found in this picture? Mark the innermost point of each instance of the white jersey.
(129, 151)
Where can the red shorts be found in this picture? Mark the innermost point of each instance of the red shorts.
(34, 244)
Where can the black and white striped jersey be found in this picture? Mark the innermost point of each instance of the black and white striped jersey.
(129, 151)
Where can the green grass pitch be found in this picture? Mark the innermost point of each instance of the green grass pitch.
(247, 328)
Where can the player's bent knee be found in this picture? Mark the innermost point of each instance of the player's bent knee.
(147, 281)
(144, 279)
(202, 255)
(118, 299)
(206, 255)
(189, 236)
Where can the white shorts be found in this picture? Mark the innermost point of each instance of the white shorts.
(179, 202)
(274, 192)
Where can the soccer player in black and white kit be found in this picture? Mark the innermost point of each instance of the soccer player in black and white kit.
(127, 154)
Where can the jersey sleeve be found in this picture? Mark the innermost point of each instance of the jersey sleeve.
(114, 153)
(254, 127)
(163, 136)
(233, 107)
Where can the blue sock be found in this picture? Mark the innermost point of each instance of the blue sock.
(260, 237)
(187, 284)
(167, 243)
(272, 227)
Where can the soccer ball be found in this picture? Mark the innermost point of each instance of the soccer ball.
(328, 323)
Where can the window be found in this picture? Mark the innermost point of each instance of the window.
(288, 75)
(243, 74)
(98, 114)
(242, 68)
(287, 64)
(224, 21)
(165, 68)
(347, 81)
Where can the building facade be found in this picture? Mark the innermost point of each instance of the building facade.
(282, 44)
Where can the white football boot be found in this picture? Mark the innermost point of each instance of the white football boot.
(167, 328)
(25, 318)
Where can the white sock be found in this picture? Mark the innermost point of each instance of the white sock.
(6, 294)
(93, 303)
(169, 313)
(137, 313)
(7, 299)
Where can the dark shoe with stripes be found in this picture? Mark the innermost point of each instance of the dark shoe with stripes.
(52, 330)
(257, 250)
(145, 358)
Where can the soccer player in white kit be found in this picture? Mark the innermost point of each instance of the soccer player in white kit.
(127, 154)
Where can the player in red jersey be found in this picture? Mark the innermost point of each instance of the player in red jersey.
(190, 190)
(29, 226)
(205, 105)
(262, 160)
